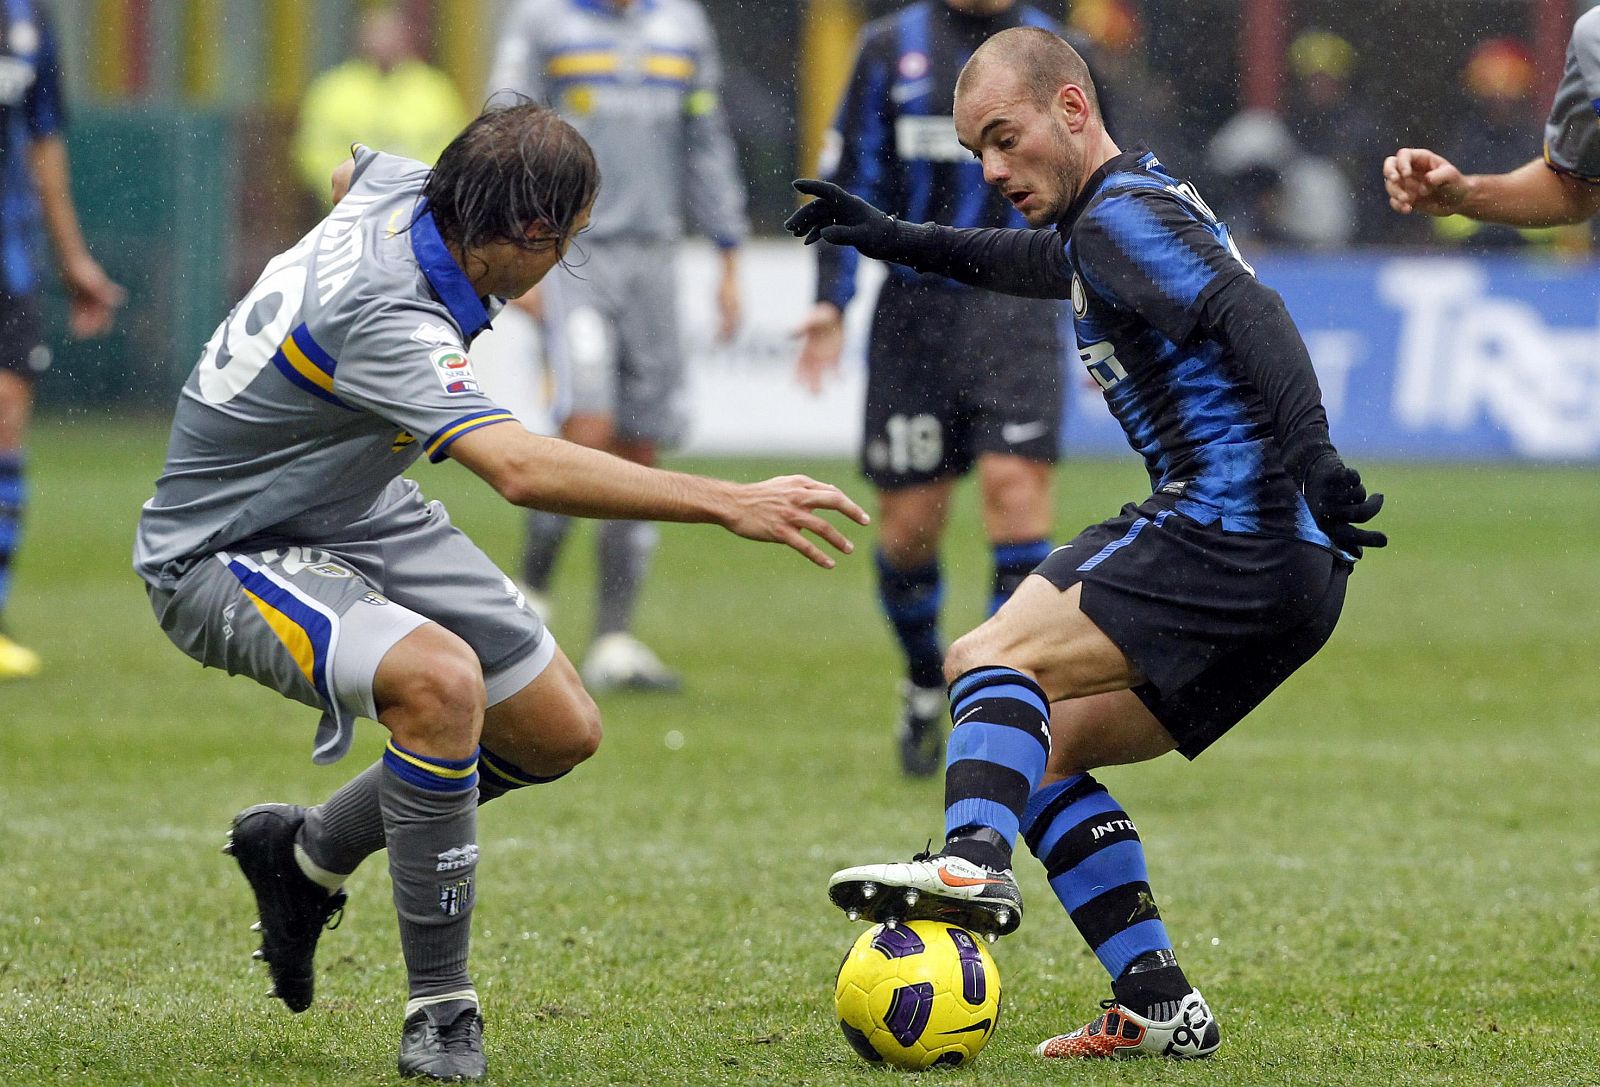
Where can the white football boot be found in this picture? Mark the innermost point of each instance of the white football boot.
(931, 887)
(1191, 1032)
(621, 662)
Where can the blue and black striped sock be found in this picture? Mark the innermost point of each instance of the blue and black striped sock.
(998, 748)
(911, 599)
(1095, 862)
(1012, 563)
(497, 776)
(13, 496)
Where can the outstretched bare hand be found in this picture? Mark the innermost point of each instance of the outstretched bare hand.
(782, 510)
(1417, 179)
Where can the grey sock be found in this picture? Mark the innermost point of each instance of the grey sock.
(433, 860)
(625, 551)
(546, 533)
(343, 830)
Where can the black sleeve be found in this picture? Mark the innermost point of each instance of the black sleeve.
(1250, 320)
(1028, 263)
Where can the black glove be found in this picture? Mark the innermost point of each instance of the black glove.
(1339, 502)
(841, 218)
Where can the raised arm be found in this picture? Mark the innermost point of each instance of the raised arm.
(1028, 263)
(549, 474)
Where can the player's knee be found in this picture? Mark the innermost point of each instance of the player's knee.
(578, 739)
(437, 706)
(966, 653)
(995, 644)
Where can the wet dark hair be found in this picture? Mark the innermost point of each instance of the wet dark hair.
(513, 166)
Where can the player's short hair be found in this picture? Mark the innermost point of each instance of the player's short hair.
(513, 166)
(1044, 62)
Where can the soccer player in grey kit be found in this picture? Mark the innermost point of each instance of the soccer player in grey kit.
(1562, 187)
(283, 542)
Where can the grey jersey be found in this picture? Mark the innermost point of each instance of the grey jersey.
(641, 84)
(345, 362)
(1572, 134)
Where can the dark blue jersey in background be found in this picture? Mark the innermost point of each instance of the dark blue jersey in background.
(30, 109)
(894, 141)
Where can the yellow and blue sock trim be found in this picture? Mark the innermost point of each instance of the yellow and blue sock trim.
(430, 772)
(504, 775)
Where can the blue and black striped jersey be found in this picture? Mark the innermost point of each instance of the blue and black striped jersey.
(1145, 253)
(894, 141)
(1141, 256)
(30, 109)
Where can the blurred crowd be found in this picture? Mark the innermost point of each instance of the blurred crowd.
(1304, 175)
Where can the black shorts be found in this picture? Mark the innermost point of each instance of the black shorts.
(1215, 620)
(953, 373)
(22, 349)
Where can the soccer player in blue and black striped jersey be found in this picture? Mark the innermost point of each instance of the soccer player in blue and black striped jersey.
(1156, 630)
(34, 192)
(957, 379)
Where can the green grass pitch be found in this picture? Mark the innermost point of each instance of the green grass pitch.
(1389, 875)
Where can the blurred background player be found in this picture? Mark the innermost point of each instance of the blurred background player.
(385, 97)
(955, 377)
(37, 186)
(641, 81)
(1563, 187)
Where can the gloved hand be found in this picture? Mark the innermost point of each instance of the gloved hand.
(841, 218)
(1339, 502)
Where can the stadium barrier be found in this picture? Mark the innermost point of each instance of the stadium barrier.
(1440, 358)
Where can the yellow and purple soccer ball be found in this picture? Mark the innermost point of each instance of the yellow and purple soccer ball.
(920, 994)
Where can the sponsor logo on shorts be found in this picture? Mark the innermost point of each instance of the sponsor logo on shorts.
(455, 898)
(401, 440)
(1017, 433)
(462, 856)
(329, 569)
(454, 371)
(227, 619)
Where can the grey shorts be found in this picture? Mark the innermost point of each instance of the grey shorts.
(611, 333)
(312, 622)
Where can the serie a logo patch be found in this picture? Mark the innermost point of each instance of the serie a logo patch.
(454, 371)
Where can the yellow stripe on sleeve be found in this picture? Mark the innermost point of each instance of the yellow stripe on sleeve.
(569, 65)
(305, 367)
(462, 427)
(669, 66)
